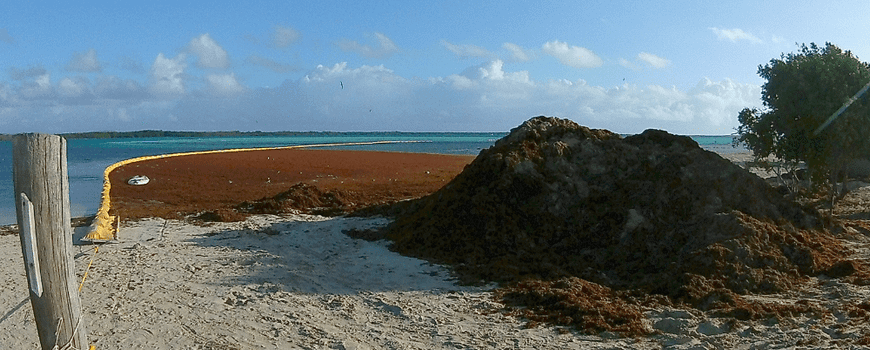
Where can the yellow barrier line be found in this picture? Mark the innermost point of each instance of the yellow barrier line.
(101, 228)
(87, 269)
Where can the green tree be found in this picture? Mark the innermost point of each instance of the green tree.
(802, 91)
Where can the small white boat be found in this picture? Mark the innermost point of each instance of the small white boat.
(138, 180)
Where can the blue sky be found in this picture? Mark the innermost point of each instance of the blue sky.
(683, 66)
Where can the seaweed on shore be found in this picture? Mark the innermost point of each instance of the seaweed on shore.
(300, 197)
(651, 213)
(571, 301)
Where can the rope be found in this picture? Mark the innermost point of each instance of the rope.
(57, 334)
(68, 345)
(96, 249)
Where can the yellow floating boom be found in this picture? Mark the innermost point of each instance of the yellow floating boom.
(104, 226)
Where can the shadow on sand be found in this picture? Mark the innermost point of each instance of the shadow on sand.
(313, 255)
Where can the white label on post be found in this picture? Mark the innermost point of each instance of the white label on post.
(28, 233)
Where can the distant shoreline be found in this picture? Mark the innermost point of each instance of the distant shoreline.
(184, 134)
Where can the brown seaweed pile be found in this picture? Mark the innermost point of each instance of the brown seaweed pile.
(573, 301)
(301, 197)
(651, 212)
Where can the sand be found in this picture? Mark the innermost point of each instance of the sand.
(296, 281)
(271, 282)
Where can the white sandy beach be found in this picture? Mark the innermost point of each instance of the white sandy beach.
(298, 282)
(271, 283)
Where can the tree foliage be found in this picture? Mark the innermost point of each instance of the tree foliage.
(802, 91)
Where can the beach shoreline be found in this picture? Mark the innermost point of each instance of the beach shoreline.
(297, 281)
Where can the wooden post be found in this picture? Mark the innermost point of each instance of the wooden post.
(42, 205)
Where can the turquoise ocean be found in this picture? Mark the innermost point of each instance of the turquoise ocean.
(88, 158)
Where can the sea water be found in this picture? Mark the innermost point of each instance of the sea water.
(88, 158)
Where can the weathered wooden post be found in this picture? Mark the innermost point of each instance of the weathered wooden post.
(42, 206)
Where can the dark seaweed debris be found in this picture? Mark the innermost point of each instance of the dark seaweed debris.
(652, 212)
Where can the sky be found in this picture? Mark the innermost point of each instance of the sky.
(687, 67)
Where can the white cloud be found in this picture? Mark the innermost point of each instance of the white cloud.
(323, 73)
(466, 50)
(166, 75)
(709, 108)
(494, 70)
(36, 87)
(496, 87)
(209, 54)
(628, 64)
(713, 97)
(73, 87)
(284, 36)
(85, 62)
(734, 35)
(386, 47)
(44, 81)
(572, 56)
(484, 97)
(360, 81)
(517, 52)
(224, 84)
(653, 60)
(489, 83)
